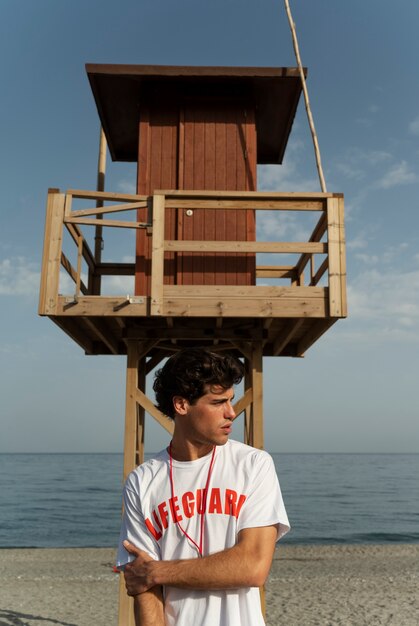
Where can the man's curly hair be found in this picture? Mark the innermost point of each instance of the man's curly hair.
(187, 373)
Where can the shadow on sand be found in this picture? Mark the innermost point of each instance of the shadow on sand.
(14, 618)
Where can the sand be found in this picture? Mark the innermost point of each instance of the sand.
(308, 585)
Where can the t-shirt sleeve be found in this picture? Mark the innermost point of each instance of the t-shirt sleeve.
(133, 527)
(264, 505)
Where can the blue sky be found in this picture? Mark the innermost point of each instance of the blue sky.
(356, 389)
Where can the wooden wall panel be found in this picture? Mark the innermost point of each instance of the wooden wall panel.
(199, 145)
(217, 156)
(158, 169)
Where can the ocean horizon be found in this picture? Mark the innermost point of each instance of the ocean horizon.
(74, 499)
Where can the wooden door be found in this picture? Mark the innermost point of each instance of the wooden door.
(217, 149)
(198, 146)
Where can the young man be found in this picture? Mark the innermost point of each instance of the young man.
(202, 517)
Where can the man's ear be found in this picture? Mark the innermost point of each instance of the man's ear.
(181, 405)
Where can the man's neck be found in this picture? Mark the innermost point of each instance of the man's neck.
(188, 451)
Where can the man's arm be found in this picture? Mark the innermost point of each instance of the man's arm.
(149, 608)
(246, 564)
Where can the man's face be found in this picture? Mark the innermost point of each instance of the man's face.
(209, 420)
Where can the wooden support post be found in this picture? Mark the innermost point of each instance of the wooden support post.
(95, 278)
(50, 277)
(254, 413)
(126, 606)
(79, 265)
(141, 413)
(334, 254)
(257, 419)
(257, 405)
(342, 252)
(157, 258)
(249, 409)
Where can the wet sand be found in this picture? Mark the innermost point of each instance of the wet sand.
(354, 585)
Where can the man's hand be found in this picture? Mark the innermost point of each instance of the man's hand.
(137, 573)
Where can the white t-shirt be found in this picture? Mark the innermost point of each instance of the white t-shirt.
(243, 493)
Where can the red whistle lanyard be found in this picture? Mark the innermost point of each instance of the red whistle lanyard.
(204, 502)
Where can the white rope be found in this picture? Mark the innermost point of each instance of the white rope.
(306, 98)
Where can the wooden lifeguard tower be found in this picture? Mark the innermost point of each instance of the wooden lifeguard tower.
(197, 134)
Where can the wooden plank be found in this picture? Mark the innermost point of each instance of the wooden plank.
(45, 253)
(275, 195)
(116, 208)
(342, 253)
(320, 272)
(333, 229)
(245, 246)
(126, 606)
(130, 434)
(194, 179)
(79, 260)
(147, 346)
(249, 409)
(144, 182)
(107, 195)
(312, 268)
(75, 233)
(214, 171)
(257, 404)
(154, 361)
(141, 412)
(249, 204)
(170, 172)
(284, 337)
(157, 255)
(52, 255)
(316, 236)
(103, 333)
(315, 332)
(194, 71)
(192, 333)
(147, 404)
(114, 306)
(72, 272)
(241, 292)
(320, 228)
(233, 152)
(242, 404)
(68, 203)
(208, 307)
(275, 271)
(72, 328)
(113, 223)
(116, 269)
(246, 180)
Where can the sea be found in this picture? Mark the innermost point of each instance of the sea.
(74, 500)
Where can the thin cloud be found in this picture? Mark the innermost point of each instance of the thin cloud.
(356, 164)
(385, 305)
(283, 226)
(368, 259)
(358, 242)
(398, 174)
(19, 277)
(126, 186)
(288, 176)
(414, 126)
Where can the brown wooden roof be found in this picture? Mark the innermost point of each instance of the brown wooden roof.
(119, 89)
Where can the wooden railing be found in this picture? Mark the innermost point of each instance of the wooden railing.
(322, 256)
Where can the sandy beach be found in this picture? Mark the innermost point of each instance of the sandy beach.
(308, 585)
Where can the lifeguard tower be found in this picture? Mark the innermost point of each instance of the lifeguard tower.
(201, 273)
